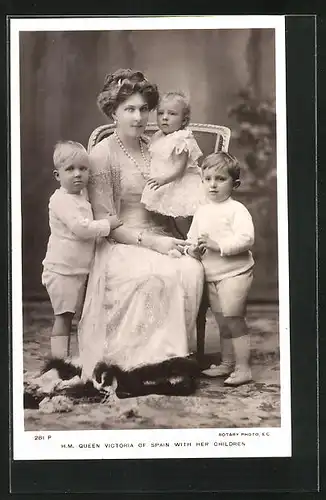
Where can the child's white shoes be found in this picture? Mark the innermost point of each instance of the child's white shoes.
(219, 371)
(239, 377)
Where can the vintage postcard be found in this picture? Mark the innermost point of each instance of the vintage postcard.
(150, 281)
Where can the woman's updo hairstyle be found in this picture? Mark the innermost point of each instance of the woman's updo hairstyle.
(121, 85)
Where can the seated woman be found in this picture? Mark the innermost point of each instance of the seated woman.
(141, 302)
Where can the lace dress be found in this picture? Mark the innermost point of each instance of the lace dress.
(181, 197)
(140, 306)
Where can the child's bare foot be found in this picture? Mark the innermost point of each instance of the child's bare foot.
(218, 371)
(239, 377)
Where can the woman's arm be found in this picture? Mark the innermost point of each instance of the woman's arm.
(179, 165)
(102, 186)
(131, 236)
(101, 183)
(158, 243)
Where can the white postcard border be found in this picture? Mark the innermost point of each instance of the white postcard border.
(151, 443)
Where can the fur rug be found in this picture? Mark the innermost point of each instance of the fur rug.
(252, 405)
(58, 377)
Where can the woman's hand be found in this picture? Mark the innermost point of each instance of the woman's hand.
(175, 253)
(165, 244)
(205, 242)
(157, 182)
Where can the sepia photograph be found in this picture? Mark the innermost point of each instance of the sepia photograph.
(149, 237)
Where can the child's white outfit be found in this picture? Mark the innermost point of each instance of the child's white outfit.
(228, 273)
(70, 249)
(181, 197)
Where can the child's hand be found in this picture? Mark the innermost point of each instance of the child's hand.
(205, 242)
(114, 221)
(195, 246)
(156, 182)
(194, 251)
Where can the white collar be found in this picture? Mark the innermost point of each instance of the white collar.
(65, 191)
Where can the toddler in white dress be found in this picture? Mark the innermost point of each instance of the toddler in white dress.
(174, 188)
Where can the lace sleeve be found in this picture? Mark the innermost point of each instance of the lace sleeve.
(194, 151)
(104, 182)
(189, 143)
(185, 141)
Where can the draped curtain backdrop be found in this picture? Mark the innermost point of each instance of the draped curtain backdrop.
(61, 74)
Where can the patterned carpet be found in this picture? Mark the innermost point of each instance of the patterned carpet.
(213, 405)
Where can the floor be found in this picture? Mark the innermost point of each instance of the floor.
(214, 405)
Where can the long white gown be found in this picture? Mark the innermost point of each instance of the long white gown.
(141, 306)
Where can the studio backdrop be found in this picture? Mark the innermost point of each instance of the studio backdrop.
(221, 71)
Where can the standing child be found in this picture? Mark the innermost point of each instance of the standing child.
(221, 236)
(71, 243)
(175, 188)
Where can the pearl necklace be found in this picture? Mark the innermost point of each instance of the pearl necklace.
(126, 152)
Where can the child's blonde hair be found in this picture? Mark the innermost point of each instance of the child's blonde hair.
(223, 160)
(64, 150)
(180, 96)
